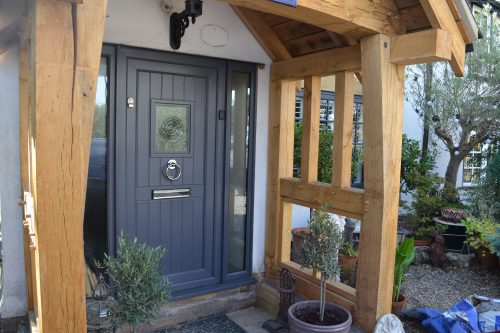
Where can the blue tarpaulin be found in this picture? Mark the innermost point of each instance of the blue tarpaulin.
(462, 317)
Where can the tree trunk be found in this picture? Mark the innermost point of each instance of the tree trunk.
(322, 298)
(452, 169)
(427, 109)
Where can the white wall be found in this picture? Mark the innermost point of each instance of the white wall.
(143, 23)
(13, 301)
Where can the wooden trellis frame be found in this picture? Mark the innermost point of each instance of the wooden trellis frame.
(381, 61)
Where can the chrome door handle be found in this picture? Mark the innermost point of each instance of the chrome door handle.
(173, 170)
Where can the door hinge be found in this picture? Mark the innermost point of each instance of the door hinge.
(222, 114)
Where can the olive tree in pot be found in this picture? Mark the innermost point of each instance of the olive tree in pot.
(320, 252)
(140, 289)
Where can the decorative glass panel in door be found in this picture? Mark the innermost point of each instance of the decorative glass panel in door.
(171, 127)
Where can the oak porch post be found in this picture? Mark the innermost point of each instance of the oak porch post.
(383, 93)
(280, 161)
(342, 130)
(67, 40)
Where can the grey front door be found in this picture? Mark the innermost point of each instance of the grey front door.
(169, 164)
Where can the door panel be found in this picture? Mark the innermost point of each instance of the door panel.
(174, 117)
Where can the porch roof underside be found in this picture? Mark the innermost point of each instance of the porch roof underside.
(313, 26)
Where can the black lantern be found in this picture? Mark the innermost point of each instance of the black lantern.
(98, 318)
(180, 21)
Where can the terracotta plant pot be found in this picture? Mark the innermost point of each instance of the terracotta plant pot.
(348, 263)
(298, 326)
(298, 235)
(348, 271)
(487, 259)
(422, 242)
(398, 306)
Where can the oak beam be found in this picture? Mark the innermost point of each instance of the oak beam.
(383, 94)
(322, 63)
(348, 202)
(440, 16)
(421, 47)
(336, 287)
(353, 18)
(310, 130)
(280, 164)
(342, 130)
(264, 34)
(67, 49)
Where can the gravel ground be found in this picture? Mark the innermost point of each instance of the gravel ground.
(425, 286)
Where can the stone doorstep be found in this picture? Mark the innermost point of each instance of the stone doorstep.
(198, 307)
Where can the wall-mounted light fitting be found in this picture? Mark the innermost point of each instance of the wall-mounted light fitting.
(180, 21)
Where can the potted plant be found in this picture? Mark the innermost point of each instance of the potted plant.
(479, 231)
(135, 275)
(320, 252)
(348, 257)
(405, 252)
(424, 232)
(454, 212)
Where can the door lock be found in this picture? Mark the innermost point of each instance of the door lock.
(130, 102)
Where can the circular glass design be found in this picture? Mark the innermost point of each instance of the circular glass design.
(172, 129)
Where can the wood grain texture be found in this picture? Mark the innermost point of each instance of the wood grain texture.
(67, 49)
(309, 44)
(310, 130)
(421, 47)
(348, 202)
(342, 131)
(383, 93)
(322, 63)
(353, 18)
(292, 29)
(401, 4)
(414, 19)
(280, 164)
(24, 101)
(440, 16)
(261, 30)
(338, 288)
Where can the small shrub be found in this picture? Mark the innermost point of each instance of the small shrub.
(348, 250)
(494, 240)
(479, 231)
(325, 152)
(321, 249)
(136, 277)
(426, 230)
(415, 166)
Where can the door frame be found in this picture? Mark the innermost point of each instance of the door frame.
(117, 56)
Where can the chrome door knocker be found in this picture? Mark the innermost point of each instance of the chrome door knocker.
(173, 170)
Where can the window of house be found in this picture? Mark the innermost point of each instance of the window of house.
(299, 108)
(476, 161)
(327, 106)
